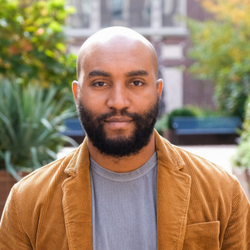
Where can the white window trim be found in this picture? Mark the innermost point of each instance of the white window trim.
(155, 28)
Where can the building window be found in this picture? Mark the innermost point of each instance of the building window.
(114, 12)
(116, 9)
(140, 12)
(125, 13)
(148, 16)
(81, 18)
(172, 10)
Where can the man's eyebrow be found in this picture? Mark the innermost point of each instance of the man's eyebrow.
(98, 73)
(137, 73)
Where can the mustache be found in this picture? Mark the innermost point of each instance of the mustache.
(115, 112)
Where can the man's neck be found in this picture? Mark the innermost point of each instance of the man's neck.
(126, 163)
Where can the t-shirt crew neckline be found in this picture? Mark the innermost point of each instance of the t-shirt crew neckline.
(124, 177)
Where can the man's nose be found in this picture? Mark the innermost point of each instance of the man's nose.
(118, 97)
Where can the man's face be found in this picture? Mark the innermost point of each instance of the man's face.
(120, 145)
(118, 97)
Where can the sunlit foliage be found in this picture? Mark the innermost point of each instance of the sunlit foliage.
(221, 52)
(33, 44)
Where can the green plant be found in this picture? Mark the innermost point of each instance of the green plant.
(221, 52)
(204, 111)
(242, 157)
(179, 112)
(32, 45)
(162, 123)
(30, 122)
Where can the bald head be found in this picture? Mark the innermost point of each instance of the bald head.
(112, 40)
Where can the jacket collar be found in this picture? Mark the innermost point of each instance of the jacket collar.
(173, 194)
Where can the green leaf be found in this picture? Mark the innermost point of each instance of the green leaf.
(55, 26)
(47, 124)
(9, 127)
(49, 53)
(9, 167)
(35, 158)
(61, 47)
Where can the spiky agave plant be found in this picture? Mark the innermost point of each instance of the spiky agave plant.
(31, 120)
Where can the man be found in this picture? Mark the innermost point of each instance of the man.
(125, 187)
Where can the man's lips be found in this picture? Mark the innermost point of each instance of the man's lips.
(118, 122)
(119, 119)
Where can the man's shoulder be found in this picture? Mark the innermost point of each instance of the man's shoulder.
(44, 178)
(200, 169)
(211, 185)
(195, 164)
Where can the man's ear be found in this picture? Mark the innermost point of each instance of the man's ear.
(75, 89)
(159, 85)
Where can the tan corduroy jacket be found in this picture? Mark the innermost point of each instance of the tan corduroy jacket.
(199, 205)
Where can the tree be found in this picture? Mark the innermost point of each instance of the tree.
(222, 54)
(32, 46)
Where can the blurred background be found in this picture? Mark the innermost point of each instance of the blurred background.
(203, 56)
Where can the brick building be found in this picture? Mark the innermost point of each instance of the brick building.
(161, 22)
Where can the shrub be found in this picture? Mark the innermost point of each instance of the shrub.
(242, 157)
(179, 112)
(32, 45)
(162, 123)
(205, 111)
(30, 122)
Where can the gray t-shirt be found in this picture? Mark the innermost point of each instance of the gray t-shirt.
(124, 207)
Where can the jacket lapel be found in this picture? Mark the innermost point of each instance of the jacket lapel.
(173, 195)
(77, 201)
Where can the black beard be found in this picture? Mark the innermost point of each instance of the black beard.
(121, 145)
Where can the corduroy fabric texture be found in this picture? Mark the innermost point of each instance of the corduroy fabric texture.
(199, 205)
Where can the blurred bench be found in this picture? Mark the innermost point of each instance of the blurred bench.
(203, 126)
(74, 129)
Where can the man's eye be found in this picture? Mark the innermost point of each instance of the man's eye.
(137, 83)
(99, 84)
